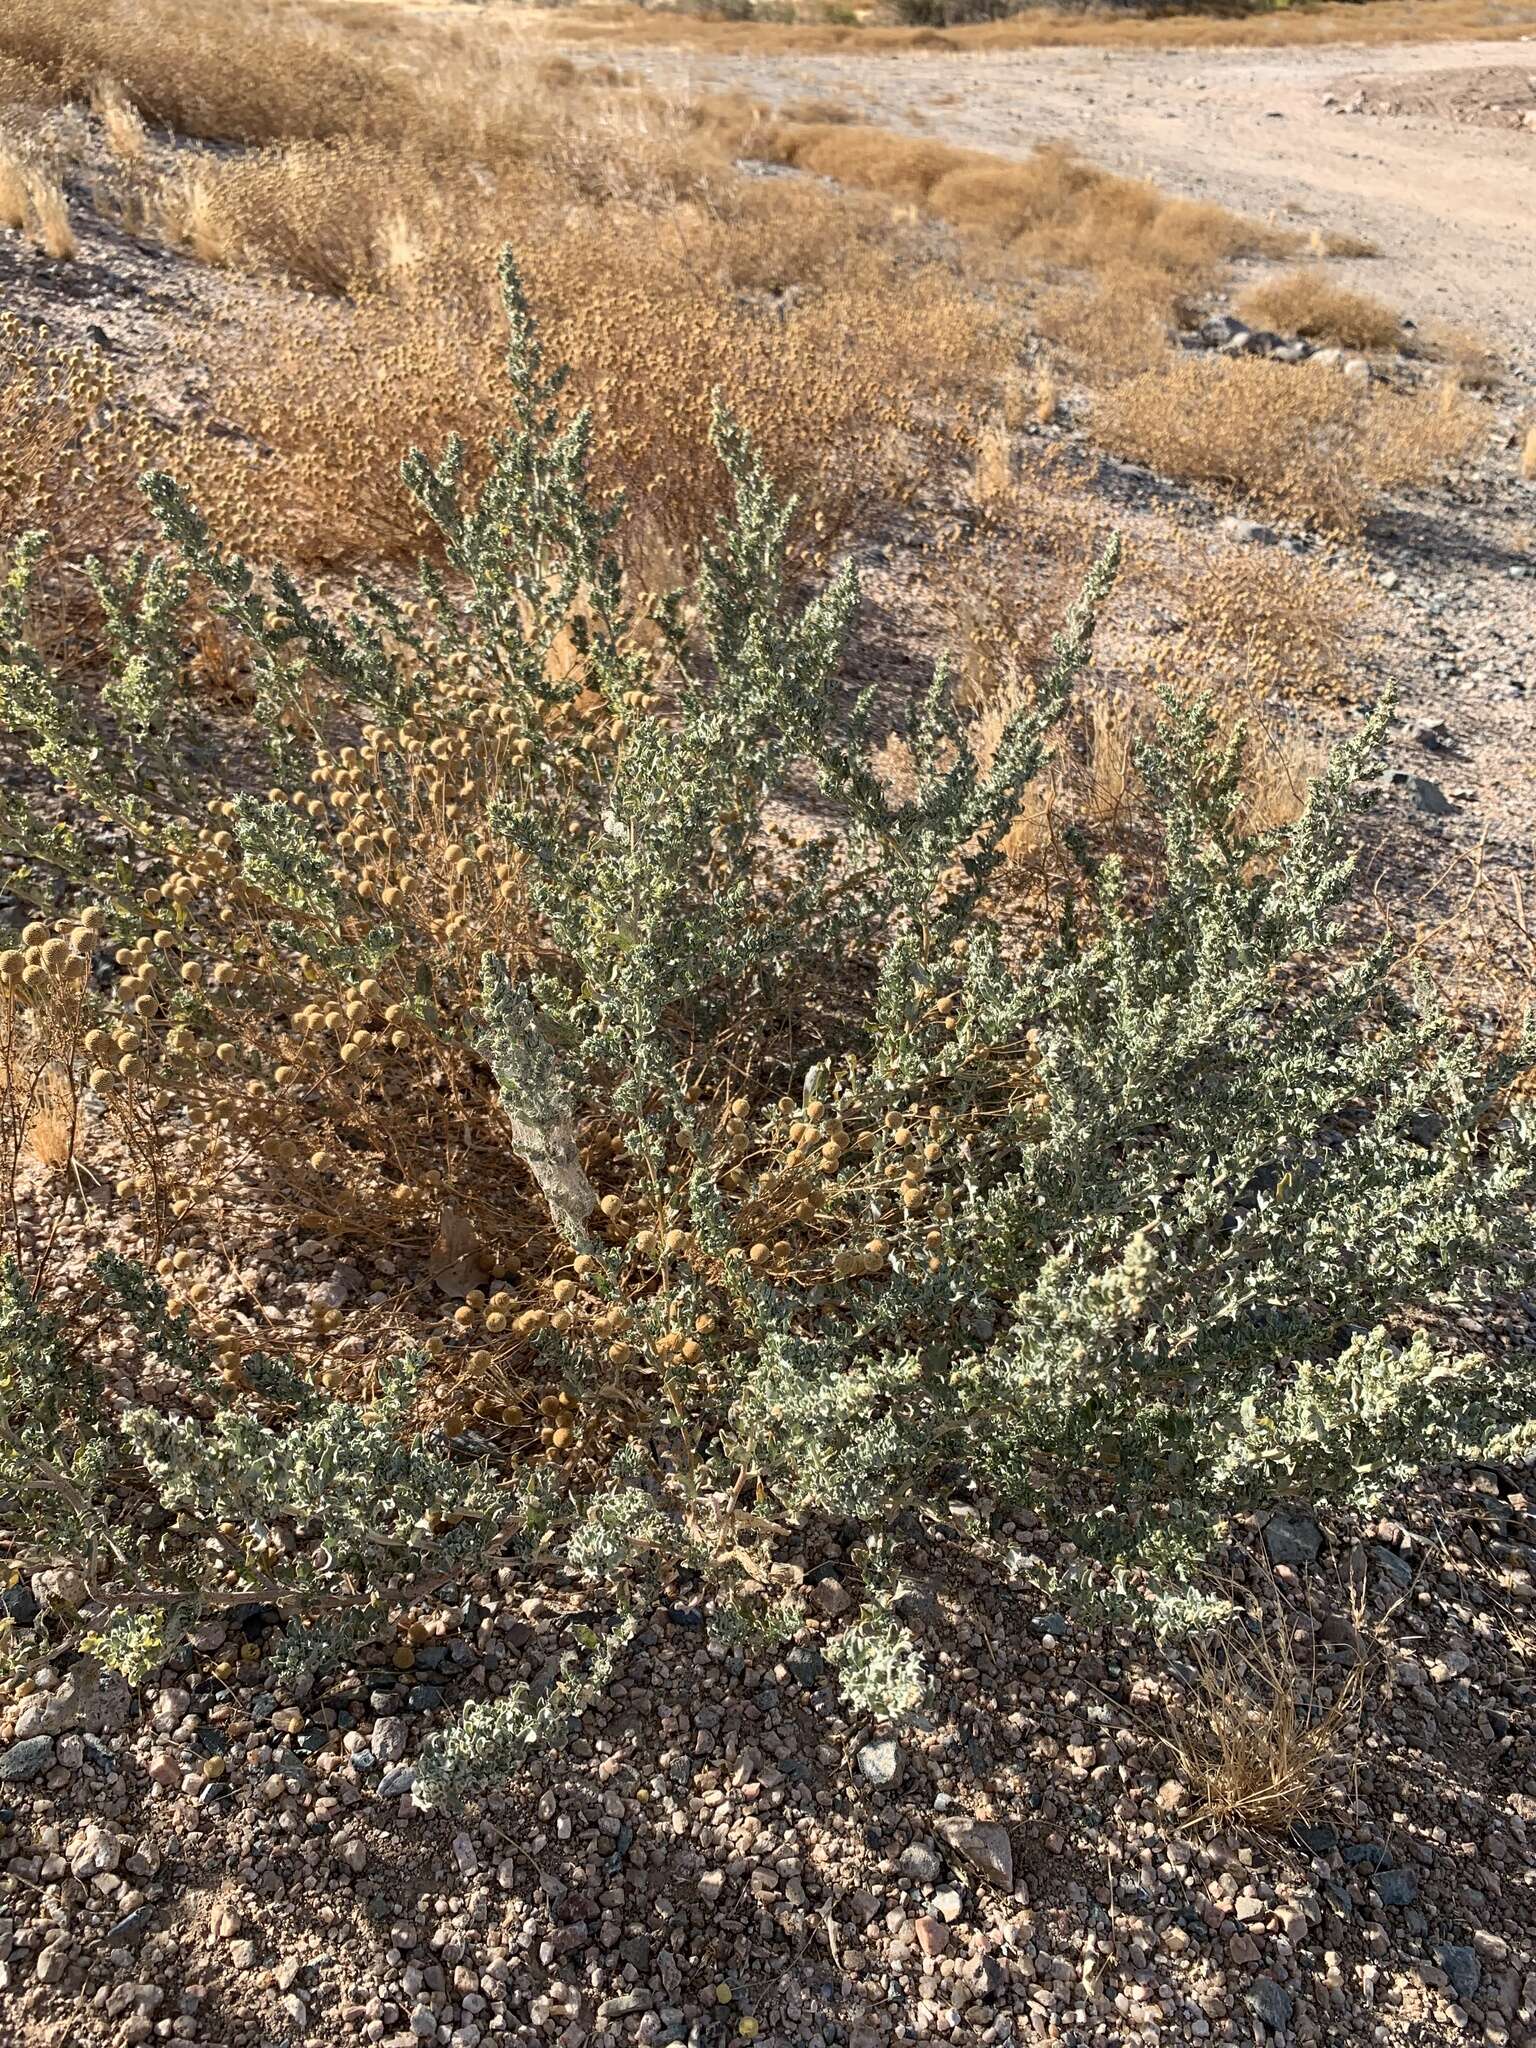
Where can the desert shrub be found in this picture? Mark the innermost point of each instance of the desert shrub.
(1417, 436)
(72, 444)
(1304, 441)
(274, 75)
(851, 365)
(1310, 303)
(32, 199)
(315, 212)
(789, 1169)
(257, 1487)
(1116, 327)
(1284, 622)
(1468, 356)
(1050, 207)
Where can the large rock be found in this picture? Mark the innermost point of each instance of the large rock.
(86, 1697)
(23, 1761)
(1292, 1539)
(983, 1846)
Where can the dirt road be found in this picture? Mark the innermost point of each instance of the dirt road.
(1447, 191)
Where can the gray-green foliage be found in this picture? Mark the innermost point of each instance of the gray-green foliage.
(879, 1666)
(493, 1739)
(1205, 1187)
(328, 1510)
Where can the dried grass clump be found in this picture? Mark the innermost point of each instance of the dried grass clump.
(1263, 1729)
(992, 473)
(22, 86)
(15, 195)
(1307, 302)
(352, 214)
(1284, 624)
(122, 124)
(1052, 207)
(50, 222)
(262, 77)
(51, 1129)
(71, 446)
(1467, 357)
(1091, 791)
(252, 75)
(32, 199)
(1304, 441)
(1417, 436)
(850, 382)
(1115, 327)
(314, 212)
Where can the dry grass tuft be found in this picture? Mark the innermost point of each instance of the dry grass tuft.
(1471, 363)
(32, 200)
(1304, 441)
(254, 75)
(1052, 207)
(993, 471)
(1091, 785)
(121, 122)
(1283, 624)
(14, 193)
(51, 227)
(1115, 327)
(1091, 789)
(1262, 1730)
(1307, 302)
(315, 213)
(51, 1120)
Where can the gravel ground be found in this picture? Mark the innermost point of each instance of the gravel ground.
(721, 1855)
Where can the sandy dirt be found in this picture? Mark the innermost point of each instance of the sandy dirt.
(1450, 205)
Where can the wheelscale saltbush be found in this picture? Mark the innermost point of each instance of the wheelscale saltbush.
(577, 955)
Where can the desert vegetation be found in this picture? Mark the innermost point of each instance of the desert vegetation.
(913, 27)
(718, 1126)
(865, 349)
(1304, 302)
(456, 823)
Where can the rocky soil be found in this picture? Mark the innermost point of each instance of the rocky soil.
(722, 1855)
(1489, 96)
